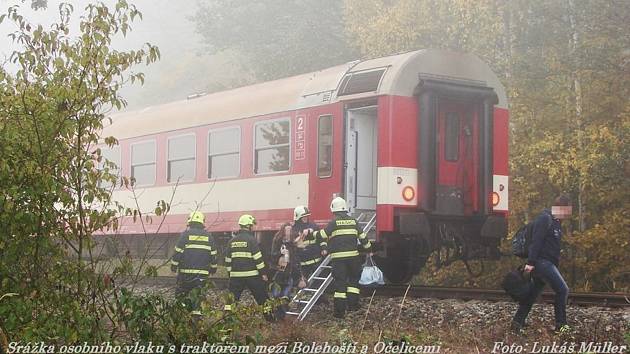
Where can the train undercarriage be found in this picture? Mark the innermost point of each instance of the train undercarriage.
(402, 255)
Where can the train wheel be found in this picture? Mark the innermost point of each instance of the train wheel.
(403, 259)
(395, 271)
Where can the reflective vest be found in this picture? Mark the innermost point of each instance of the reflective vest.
(195, 252)
(243, 257)
(343, 234)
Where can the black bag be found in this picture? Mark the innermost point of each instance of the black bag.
(522, 239)
(517, 284)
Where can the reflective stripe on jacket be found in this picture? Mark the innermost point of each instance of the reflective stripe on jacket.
(343, 234)
(195, 252)
(243, 257)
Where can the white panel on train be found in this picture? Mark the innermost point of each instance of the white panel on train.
(264, 193)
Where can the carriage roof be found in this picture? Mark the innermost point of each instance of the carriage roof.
(400, 76)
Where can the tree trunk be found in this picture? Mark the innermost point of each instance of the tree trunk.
(577, 95)
(508, 43)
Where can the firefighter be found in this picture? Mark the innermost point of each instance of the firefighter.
(194, 258)
(245, 266)
(342, 235)
(311, 254)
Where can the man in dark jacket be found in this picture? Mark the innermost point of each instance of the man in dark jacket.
(246, 267)
(343, 234)
(543, 261)
(310, 255)
(194, 258)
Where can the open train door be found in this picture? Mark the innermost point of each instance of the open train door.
(360, 159)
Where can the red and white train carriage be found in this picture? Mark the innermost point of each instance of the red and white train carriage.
(420, 140)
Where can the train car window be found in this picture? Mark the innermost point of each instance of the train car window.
(272, 152)
(112, 155)
(181, 158)
(451, 146)
(324, 146)
(224, 158)
(367, 81)
(143, 163)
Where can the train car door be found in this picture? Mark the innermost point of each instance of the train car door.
(456, 170)
(360, 158)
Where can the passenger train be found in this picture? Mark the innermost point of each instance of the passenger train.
(417, 143)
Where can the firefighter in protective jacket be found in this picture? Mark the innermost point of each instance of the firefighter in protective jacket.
(246, 267)
(195, 256)
(311, 254)
(342, 235)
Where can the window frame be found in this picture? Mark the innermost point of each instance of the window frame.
(131, 164)
(118, 165)
(343, 84)
(168, 139)
(447, 140)
(332, 143)
(208, 155)
(288, 170)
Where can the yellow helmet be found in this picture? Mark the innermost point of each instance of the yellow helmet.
(300, 212)
(338, 204)
(247, 220)
(196, 216)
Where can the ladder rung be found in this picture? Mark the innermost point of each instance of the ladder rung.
(307, 303)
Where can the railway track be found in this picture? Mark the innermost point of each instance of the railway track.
(436, 292)
(415, 291)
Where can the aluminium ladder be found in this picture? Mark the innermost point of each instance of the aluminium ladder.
(317, 283)
(367, 221)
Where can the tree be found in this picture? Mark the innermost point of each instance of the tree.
(570, 82)
(273, 39)
(380, 27)
(52, 110)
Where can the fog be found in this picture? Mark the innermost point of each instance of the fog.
(183, 69)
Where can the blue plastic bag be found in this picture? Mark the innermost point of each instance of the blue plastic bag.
(371, 275)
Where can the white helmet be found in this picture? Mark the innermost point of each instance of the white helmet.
(300, 212)
(338, 204)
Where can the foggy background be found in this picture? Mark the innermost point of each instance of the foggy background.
(183, 68)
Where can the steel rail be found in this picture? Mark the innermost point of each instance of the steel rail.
(439, 292)
(436, 292)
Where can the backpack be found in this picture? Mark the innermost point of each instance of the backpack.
(522, 239)
(517, 285)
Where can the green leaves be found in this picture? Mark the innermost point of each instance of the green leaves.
(53, 198)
